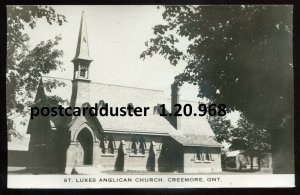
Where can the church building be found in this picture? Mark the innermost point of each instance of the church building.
(78, 144)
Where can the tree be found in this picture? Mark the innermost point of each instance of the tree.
(24, 65)
(237, 55)
(221, 128)
(251, 139)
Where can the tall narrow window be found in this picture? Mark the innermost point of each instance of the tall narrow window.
(138, 147)
(111, 145)
(207, 156)
(103, 144)
(83, 71)
(142, 146)
(199, 156)
(134, 148)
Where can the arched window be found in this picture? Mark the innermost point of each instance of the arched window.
(83, 71)
(134, 146)
(202, 155)
(107, 145)
(207, 156)
(142, 145)
(199, 156)
(103, 143)
(138, 146)
(111, 145)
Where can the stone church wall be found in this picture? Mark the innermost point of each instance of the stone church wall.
(122, 154)
(194, 165)
(131, 161)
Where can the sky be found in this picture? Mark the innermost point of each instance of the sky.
(116, 36)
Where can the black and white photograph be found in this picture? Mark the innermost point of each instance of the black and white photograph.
(150, 96)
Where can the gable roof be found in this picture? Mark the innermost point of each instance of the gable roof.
(152, 123)
(195, 140)
(121, 96)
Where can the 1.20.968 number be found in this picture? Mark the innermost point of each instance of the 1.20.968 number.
(203, 109)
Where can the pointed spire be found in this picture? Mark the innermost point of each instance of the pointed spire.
(39, 123)
(40, 93)
(82, 51)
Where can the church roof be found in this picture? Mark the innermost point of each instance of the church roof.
(121, 96)
(40, 93)
(195, 140)
(153, 123)
(82, 51)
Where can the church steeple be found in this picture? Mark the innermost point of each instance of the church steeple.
(81, 80)
(40, 93)
(39, 124)
(82, 51)
(82, 58)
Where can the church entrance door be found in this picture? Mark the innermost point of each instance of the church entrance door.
(85, 139)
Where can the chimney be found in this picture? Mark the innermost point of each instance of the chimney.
(175, 100)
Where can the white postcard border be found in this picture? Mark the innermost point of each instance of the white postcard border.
(151, 181)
